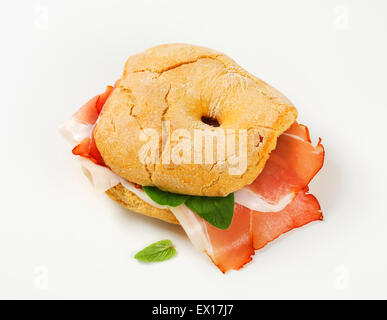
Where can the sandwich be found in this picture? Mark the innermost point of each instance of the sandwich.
(189, 137)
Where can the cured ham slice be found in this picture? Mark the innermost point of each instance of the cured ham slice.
(101, 178)
(90, 111)
(87, 116)
(81, 125)
(283, 182)
(195, 228)
(88, 149)
(291, 166)
(268, 226)
(282, 188)
(227, 249)
(232, 248)
(250, 230)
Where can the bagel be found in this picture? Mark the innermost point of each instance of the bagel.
(183, 85)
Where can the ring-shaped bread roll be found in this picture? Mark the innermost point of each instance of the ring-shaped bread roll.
(177, 86)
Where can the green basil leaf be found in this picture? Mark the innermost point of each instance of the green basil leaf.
(165, 198)
(157, 252)
(218, 211)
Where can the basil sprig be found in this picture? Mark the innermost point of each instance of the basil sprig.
(218, 211)
(157, 252)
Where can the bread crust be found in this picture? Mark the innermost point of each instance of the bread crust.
(181, 83)
(130, 201)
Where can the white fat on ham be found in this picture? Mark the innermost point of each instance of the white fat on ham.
(295, 137)
(194, 227)
(101, 178)
(254, 201)
(74, 131)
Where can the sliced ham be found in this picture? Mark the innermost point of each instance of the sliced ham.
(88, 115)
(88, 149)
(101, 178)
(291, 166)
(90, 111)
(227, 249)
(102, 98)
(81, 125)
(281, 187)
(232, 248)
(195, 228)
(250, 230)
(268, 226)
(277, 201)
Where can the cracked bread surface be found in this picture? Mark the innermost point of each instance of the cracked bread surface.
(178, 84)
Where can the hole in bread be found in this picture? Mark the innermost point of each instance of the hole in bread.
(210, 121)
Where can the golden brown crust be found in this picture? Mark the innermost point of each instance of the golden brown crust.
(181, 83)
(130, 201)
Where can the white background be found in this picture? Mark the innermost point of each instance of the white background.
(58, 239)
